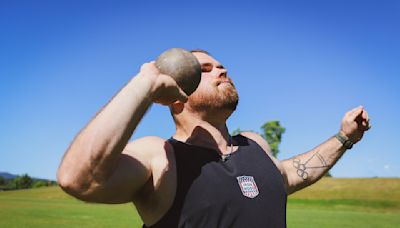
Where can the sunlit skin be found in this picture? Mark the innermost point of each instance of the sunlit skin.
(208, 107)
(101, 165)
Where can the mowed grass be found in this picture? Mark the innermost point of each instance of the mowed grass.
(51, 207)
(331, 202)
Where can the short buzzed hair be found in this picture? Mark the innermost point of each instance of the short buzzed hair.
(200, 50)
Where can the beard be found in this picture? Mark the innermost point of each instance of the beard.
(221, 97)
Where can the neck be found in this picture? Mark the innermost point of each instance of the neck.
(204, 133)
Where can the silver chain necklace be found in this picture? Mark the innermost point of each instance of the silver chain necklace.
(224, 157)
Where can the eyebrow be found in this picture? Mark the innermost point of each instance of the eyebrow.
(210, 64)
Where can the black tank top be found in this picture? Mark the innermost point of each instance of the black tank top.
(245, 190)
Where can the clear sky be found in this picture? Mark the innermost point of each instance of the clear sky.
(304, 63)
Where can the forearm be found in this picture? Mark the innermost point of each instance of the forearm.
(91, 157)
(305, 169)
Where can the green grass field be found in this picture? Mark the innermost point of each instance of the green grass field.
(329, 203)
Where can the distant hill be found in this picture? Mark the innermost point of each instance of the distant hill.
(7, 175)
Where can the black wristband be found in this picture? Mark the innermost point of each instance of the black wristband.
(346, 142)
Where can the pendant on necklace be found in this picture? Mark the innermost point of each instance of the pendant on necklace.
(225, 157)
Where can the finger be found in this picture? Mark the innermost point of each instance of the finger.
(182, 95)
(363, 118)
(144, 66)
(149, 67)
(365, 115)
(365, 125)
(369, 124)
(351, 111)
(366, 120)
(355, 112)
(356, 108)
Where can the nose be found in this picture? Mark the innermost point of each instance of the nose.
(222, 73)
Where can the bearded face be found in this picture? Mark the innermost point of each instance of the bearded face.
(216, 90)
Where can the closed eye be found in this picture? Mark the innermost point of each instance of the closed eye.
(206, 67)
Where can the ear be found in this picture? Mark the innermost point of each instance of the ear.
(177, 107)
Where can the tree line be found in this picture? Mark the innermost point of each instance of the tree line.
(23, 182)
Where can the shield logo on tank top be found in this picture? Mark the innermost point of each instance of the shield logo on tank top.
(248, 186)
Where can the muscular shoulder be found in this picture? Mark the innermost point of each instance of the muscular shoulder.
(158, 193)
(149, 146)
(259, 140)
(155, 152)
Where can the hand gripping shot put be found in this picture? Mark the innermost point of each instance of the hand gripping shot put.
(201, 176)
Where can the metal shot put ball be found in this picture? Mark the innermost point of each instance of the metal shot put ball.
(182, 66)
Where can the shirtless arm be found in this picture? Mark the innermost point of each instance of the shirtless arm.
(99, 165)
(305, 169)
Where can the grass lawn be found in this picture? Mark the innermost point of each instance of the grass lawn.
(331, 202)
(51, 207)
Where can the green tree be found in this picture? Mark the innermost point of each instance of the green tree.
(236, 132)
(14, 183)
(39, 183)
(2, 180)
(22, 182)
(272, 133)
(26, 181)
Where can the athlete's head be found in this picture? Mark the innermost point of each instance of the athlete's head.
(216, 91)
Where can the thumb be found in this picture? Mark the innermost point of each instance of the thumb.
(355, 113)
(182, 95)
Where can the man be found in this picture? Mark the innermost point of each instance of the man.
(201, 177)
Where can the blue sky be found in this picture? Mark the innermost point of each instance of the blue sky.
(304, 63)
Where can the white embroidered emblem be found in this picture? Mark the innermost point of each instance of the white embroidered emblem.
(248, 186)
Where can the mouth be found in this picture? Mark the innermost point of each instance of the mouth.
(224, 82)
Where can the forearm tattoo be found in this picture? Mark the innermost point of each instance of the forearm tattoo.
(302, 167)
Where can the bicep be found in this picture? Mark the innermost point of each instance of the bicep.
(132, 170)
(128, 178)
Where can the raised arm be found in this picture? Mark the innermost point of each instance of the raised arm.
(99, 166)
(305, 169)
